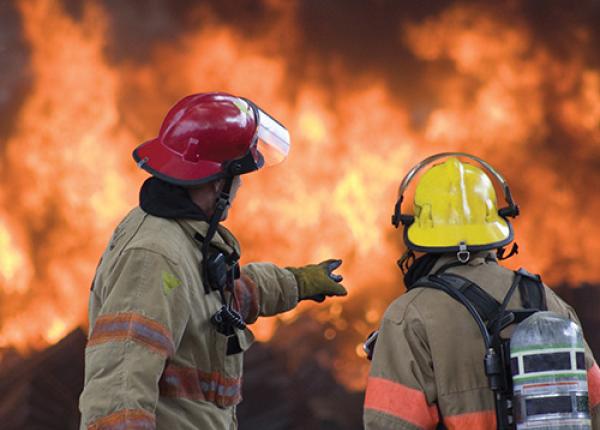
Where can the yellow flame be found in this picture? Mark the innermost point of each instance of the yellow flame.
(57, 330)
(312, 127)
(11, 259)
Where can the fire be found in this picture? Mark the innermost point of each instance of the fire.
(14, 271)
(498, 94)
(67, 178)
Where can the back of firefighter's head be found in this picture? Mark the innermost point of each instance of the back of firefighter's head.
(208, 140)
(455, 208)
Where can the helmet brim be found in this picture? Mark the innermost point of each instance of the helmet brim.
(152, 157)
(477, 238)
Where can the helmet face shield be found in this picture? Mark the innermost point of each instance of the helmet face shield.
(273, 139)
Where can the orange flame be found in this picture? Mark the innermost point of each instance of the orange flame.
(67, 176)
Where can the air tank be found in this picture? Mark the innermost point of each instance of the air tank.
(549, 374)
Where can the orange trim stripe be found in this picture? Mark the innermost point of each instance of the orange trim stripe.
(593, 376)
(484, 420)
(246, 298)
(127, 419)
(132, 326)
(401, 402)
(194, 384)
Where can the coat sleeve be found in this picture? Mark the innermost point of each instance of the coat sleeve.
(265, 289)
(401, 389)
(143, 312)
(556, 304)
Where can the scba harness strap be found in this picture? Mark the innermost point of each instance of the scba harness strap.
(492, 317)
(531, 290)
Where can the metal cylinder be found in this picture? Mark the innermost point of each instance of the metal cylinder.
(549, 374)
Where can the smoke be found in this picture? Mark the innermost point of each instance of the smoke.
(14, 73)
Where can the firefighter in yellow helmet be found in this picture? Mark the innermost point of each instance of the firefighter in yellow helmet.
(441, 357)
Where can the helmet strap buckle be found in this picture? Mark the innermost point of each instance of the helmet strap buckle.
(513, 251)
(463, 255)
(407, 259)
(222, 202)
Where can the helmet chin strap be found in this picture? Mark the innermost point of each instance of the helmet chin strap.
(221, 206)
(221, 269)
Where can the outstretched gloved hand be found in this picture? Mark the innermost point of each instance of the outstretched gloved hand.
(317, 281)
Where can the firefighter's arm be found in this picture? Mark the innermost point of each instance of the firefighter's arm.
(401, 386)
(265, 289)
(145, 307)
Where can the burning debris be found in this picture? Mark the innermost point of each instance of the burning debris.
(86, 82)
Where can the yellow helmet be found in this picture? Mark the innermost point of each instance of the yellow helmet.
(455, 207)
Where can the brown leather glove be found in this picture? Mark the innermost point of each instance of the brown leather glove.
(317, 281)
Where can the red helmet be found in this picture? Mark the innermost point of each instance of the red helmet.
(211, 136)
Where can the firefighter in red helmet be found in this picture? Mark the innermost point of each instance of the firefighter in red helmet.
(170, 305)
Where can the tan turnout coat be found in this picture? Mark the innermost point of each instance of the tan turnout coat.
(428, 361)
(153, 359)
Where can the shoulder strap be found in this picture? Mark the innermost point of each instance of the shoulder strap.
(531, 289)
(438, 283)
(483, 307)
(487, 306)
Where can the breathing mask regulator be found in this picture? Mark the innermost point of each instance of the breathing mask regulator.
(538, 375)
